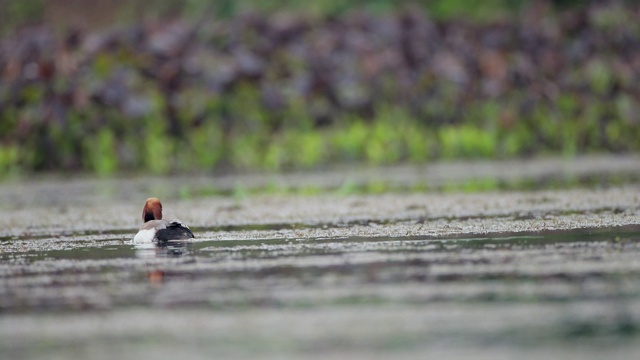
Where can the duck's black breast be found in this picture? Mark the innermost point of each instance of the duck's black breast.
(174, 230)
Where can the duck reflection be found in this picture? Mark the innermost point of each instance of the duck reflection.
(156, 277)
(166, 249)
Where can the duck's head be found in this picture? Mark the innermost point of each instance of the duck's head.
(152, 210)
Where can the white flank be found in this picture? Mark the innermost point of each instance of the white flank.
(144, 236)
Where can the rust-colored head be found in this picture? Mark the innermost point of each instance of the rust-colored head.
(152, 210)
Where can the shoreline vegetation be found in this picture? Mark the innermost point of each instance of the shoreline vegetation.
(292, 90)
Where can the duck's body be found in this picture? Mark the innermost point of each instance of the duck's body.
(155, 229)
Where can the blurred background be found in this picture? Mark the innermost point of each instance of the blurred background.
(165, 86)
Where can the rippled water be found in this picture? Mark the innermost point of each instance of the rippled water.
(524, 295)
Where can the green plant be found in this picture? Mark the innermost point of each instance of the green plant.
(350, 141)
(466, 141)
(101, 152)
(8, 158)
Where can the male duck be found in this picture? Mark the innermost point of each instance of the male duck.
(155, 229)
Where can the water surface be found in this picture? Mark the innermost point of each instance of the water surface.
(501, 294)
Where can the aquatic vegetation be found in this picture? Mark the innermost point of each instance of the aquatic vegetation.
(302, 90)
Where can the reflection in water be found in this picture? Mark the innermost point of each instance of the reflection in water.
(156, 277)
(170, 249)
(165, 250)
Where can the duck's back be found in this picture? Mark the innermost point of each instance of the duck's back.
(174, 230)
(162, 231)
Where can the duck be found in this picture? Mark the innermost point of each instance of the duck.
(158, 230)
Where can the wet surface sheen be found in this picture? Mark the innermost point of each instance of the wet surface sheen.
(362, 297)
